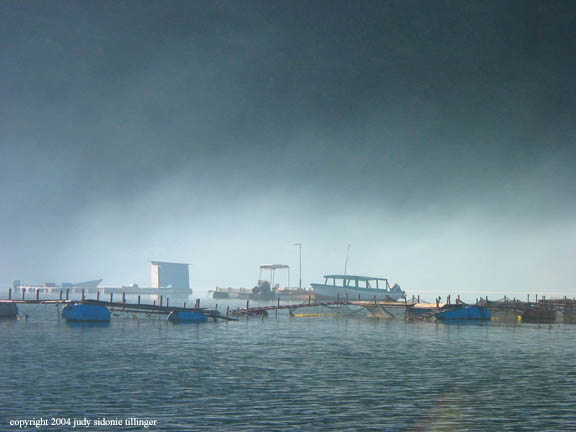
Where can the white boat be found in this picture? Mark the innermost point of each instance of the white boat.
(357, 288)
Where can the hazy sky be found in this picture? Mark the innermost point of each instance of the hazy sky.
(438, 138)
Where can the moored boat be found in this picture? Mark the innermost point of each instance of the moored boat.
(357, 288)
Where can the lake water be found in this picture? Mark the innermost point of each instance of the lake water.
(283, 373)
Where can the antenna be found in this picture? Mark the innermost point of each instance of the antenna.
(346, 263)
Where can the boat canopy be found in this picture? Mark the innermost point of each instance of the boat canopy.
(273, 266)
(358, 278)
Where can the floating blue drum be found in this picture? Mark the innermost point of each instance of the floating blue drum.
(465, 313)
(86, 313)
(187, 317)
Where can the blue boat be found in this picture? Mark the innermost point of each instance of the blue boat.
(80, 312)
(187, 317)
(463, 312)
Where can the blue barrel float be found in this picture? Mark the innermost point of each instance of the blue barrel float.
(79, 312)
(462, 312)
(187, 317)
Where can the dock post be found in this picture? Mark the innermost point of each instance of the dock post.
(37, 293)
(123, 297)
(448, 299)
(377, 303)
(23, 293)
(459, 301)
(358, 297)
(337, 297)
(405, 301)
(139, 301)
(418, 299)
(309, 298)
(111, 297)
(346, 297)
(278, 307)
(247, 305)
(98, 295)
(83, 294)
(167, 301)
(197, 304)
(161, 300)
(227, 310)
(437, 302)
(184, 305)
(536, 298)
(10, 294)
(67, 293)
(60, 294)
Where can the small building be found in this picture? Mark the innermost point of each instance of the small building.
(168, 274)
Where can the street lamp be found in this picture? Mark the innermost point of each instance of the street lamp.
(300, 253)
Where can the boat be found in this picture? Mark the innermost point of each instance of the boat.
(357, 288)
(264, 289)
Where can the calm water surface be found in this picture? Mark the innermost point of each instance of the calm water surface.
(290, 374)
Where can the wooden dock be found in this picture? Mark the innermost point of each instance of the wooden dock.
(161, 308)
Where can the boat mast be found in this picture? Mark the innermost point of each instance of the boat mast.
(346, 263)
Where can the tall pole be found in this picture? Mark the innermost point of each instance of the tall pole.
(300, 254)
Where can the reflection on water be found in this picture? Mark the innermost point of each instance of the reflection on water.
(291, 373)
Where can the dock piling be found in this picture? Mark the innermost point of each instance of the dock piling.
(167, 301)
(10, 294)
(98, 295)
(23, 293)
(197, 304)
(37, 293)
(161, 300)
(227, 311)
(139, 301)
(111, 297)
(83, 297)
(123, 297)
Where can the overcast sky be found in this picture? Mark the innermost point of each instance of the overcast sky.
(437, 138)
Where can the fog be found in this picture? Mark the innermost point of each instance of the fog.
(436, 138)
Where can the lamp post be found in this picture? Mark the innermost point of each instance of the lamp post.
(300, 254)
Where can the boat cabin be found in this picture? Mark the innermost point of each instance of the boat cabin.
(348, 281)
